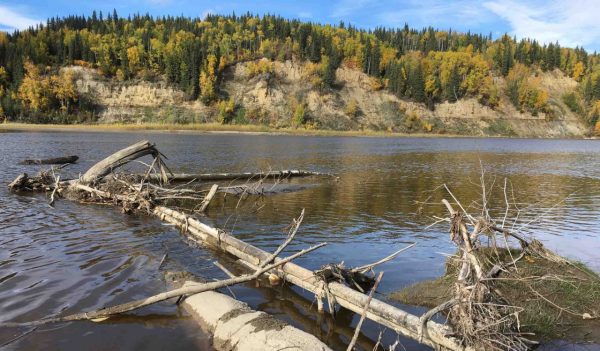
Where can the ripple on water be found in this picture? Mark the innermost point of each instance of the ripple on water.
(74, 257)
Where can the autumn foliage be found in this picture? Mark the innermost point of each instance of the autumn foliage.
(427, 66)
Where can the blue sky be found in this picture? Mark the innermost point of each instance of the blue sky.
(572, 22)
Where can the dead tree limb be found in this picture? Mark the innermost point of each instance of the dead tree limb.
(364, 313)
(208, 198)
(367, 267)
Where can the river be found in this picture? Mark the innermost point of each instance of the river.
(75, 257)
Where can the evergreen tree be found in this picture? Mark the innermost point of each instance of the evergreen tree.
(588, 90)
(451, 90)
(374, 61)
(366, 64)
(417, 83)
(596, 89)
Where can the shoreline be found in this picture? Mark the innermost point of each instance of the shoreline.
(246, 129)
(214, 128)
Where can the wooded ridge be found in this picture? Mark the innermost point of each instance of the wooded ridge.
(428, 67)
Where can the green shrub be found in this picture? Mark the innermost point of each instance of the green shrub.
(226, 110)
(240, 116)
(570, 99)
(299, 117)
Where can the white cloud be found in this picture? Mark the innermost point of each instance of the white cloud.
(10, 19)
(571, 23)
(305, 14)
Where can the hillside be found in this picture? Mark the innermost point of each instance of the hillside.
(285, 73)
(272, 99)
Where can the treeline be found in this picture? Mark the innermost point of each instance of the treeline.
(427, 65)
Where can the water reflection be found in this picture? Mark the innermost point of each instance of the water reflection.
(76, 257)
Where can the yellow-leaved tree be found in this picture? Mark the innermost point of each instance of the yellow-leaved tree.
(578, 69)
(208, 79)
(35, 91)
(63, 87)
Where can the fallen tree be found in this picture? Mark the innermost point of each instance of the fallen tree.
(103, 184)
(203, 177)
(499, 297)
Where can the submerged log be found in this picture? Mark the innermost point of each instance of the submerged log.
(50, 161)
(237, 327)
(436, 336)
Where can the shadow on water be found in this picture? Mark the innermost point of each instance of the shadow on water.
(75, 257)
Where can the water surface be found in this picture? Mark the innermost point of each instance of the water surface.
(75, 257)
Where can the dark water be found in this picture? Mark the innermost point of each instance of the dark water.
(76, 257)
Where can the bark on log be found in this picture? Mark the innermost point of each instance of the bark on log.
(380, 312)
(236, 327)
(51, 161)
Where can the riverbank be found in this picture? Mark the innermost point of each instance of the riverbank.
(207, 128)
(218, 128)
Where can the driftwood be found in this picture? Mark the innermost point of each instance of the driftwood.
(364, 312)
(50, 161)
(42, 182)
(202, 177)
(209, 196)
(135, 151)
(93, 185)
(380, 312)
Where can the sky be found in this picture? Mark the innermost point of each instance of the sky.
(570, 22)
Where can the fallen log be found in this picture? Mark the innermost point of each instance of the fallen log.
(201, 177)
(237, 327)
(409, 325)
(437, 335)
(50, 161)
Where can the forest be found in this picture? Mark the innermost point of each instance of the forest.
(427, 66)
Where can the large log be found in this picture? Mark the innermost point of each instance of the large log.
(236, 327)
(435, 334)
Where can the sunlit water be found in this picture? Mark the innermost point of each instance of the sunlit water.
(76, 257)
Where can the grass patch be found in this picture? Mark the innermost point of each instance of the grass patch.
(499, 127)
(573, 287)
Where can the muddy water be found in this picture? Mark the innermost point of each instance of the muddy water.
(75, 257)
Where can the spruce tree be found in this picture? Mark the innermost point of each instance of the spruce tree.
(366, 64)
(375, 59)
(417, 83)
(596, 90)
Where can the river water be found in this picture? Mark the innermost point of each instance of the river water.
(76, 257)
